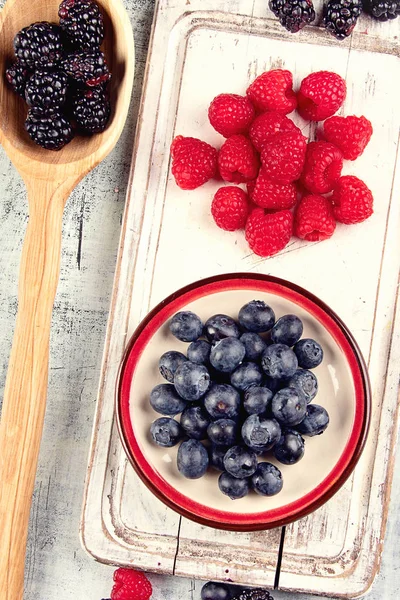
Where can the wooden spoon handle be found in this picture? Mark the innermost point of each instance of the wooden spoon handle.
(26, 385)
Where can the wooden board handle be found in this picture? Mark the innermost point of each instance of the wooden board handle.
(26, 385)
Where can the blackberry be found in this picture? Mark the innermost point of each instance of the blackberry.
(82, 23)
(91, 110)
(17, 76)
(340, 17)
(293, 14)
(87, 68)
(46, 91)
(256, 594)
(38, 45)
(383, 10)
(50, 132)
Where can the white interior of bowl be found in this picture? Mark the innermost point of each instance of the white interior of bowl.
(336, 393)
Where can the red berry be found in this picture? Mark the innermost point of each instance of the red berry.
(350, 134)
(231, 114)
(237, 160)
(273, 90)
(322, 168)
(267, 234)
(314, 220)
(193, 162)
(230, 208)
(267, 126)
(283, 157)
(352, 199)
(271, 195)
(130, 585)
(321, 94)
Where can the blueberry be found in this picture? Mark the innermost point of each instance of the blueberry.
(191, 381)
(219, 327)
(199, 352)
(254, 345)
(309, 353)
(289, 406)
(257, 400)
(274, 384)
(215, 591)
(169, 362)
(166, 432)
(222, 401)
(279, 361)
(186, 326)
(192, 459)
(259, 433)
(217, 454)
(227, 354)
(240, 462)
(194, 421)
(246, 375)
(222, 432)
(306, 382)
(290, 448)
(165, 400)
(256, 316)
(315, 422)
(287, 330)
(233, 487)
(267, 480)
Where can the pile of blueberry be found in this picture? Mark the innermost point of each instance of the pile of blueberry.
(244, 389)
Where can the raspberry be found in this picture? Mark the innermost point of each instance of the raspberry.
(230, 208)
(314, 220)
(267, 126)
(270, 195)
(231, 114)
(350, 134)
(129, 584)
(353, 201)
(321, 94)
(283, 157)
(323, 167)
(237, 160)
(267, 234)
(193, 162)
(273, 90)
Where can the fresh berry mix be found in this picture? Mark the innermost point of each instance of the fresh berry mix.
(238, 161)
(61, 73)
(350, 134)
(341, 16)
(271, 195)
(283, 157)
(382, 10)
(268, 233)
(231, 114)
(321, 94)
(193, 162)
(273, 91)
(230, 208)
(322, 168)
(267, 126)
(293, 15)
(352, 200)
(243, 396)
(314, 220)
(131, 584)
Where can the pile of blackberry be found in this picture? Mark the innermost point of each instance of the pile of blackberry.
(62, 74)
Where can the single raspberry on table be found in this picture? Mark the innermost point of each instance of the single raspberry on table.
(321, 94)
(273, 90)
(131, 585)
(231, 114)
(314, 220)
(267, 126)
(283, 157)
(352, 200)
(350, 134)
(230, 208)
(238, 162)
(322, 168)
(267, 234)
(193, 162)
(270, 195)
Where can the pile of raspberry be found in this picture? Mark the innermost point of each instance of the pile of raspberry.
(294, 186)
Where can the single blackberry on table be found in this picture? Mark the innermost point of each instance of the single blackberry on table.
(91, 110)
(38, 45)
(340, 17)
(87, 68)
(293, 14)
(46, 91)
(82, 23)
(50, 132)
(256, 594)
(383, 10)
(17, 76)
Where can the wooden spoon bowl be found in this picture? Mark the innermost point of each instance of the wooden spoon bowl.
(49, 178)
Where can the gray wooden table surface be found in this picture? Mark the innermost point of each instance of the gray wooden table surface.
(56, 565)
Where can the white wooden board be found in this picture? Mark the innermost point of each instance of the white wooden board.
(168, 240)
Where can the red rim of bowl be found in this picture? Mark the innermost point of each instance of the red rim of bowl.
(270, 518)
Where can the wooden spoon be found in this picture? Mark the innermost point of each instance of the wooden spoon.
(49, 178)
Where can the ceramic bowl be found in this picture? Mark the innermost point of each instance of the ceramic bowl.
(329, 459)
